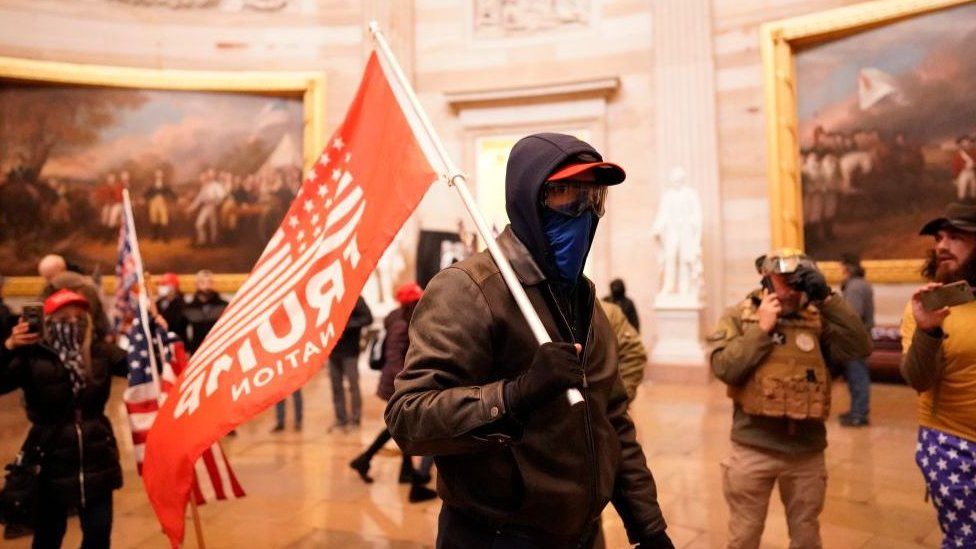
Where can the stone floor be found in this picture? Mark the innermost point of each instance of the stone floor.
(301, 492)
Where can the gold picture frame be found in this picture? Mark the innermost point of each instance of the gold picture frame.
(309, 85)
(779, 43)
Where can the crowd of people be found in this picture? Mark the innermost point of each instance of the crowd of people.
(521, 462)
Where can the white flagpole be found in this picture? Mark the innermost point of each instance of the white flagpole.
(143, 298)
(458, 180)
(152, 345)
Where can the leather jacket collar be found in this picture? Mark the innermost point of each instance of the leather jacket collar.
(518, 255)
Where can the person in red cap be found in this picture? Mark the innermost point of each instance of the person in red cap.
(170, 303)
(517, 465)
(65, 374)
(394, 345)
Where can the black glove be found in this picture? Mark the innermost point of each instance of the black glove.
(657, 540)
(555, 368)
(811, 282)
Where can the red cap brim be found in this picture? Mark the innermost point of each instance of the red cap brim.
(605, 173)
(62, 298)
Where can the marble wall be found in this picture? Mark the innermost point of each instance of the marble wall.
(488, 67)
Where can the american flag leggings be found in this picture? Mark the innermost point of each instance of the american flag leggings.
(948, 464)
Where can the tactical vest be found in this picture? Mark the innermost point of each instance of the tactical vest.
(793, 380)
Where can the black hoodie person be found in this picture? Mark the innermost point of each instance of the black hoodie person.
(517, 465)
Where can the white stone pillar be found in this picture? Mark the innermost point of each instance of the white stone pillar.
(685, 125)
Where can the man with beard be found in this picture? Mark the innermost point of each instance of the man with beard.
(518, 467)
(772, 350)
(940, 363)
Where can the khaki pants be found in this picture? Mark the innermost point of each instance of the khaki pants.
(747, 481)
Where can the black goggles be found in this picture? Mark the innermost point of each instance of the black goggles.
(573, 198)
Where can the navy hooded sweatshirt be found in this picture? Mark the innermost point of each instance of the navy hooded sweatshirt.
(531, 162)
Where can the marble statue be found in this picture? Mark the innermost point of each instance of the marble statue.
(678, 231)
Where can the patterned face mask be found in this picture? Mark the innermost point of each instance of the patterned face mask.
(67, 339)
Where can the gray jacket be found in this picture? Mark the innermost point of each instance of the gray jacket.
(860, 295)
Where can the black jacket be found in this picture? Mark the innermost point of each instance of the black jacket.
(201, 315)
(81, 461)
(549, 478)
(172, 310)
(7, 321)
(618, 296)
(348, 344)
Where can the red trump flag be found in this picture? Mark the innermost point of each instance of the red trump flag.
(282, 324)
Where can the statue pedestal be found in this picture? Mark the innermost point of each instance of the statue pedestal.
(679, 355)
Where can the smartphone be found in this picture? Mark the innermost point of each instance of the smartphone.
(950, 295)
(34, 315)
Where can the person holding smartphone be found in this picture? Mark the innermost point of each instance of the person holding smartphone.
(65, 374)
(772, 350)
(939, 362)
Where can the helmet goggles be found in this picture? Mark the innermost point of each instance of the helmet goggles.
(782, 264)
(573, 198)
(785, 261)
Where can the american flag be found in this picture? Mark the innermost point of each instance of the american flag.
(126, 289)
(153, 367)
(214, 477)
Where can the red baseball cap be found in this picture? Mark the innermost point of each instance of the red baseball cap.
(410, 292)
(605, 173)
(170, 279)
(62, 298)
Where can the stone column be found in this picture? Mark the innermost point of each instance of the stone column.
(685, 122)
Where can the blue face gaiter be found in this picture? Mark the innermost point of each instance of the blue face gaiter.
(569, 238)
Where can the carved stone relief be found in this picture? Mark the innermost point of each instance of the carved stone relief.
(500, 18)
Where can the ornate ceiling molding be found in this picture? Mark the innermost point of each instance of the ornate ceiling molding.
(224, 5)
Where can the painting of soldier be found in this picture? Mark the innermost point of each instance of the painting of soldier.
(209, 174)
(886, 123)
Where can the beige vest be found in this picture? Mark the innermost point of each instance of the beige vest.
(793, 380)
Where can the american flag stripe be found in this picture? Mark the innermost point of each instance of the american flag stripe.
(213, 472)
(141, 423)
(141, 398)
(214, 477)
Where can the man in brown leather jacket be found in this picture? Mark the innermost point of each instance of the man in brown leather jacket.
(518, 466)
(772, 350)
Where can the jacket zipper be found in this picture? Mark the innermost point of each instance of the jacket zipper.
(587, 426)
(81, 461)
